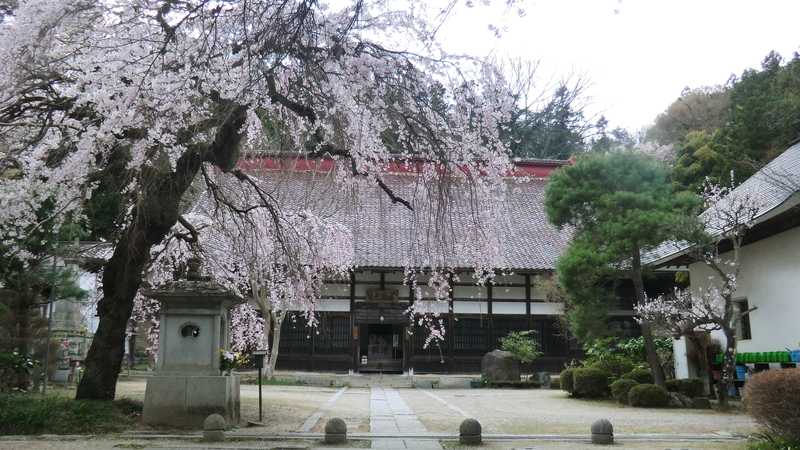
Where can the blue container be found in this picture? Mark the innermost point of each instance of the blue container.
(740, 372)
(795, 354)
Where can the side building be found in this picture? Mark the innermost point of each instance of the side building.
(768, 284)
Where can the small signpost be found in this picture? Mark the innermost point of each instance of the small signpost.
(258, 360)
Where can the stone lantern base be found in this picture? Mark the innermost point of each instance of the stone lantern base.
(185, 401)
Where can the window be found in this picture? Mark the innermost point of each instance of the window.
(743, 320)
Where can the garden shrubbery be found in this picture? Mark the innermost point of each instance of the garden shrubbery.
(648, 395)
(640, 375)
(772, 398)
(33, 414)
(690, 387)
(614, 365)
(620, 389)
(566, 380)
(590, 382)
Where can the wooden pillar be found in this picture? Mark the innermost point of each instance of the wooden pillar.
(491, 317)
(412, 336)
(451, 325)
(355, 336)
(313, 332)
(528, 302)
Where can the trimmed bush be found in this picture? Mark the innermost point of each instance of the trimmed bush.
(620, 389)
(565, 379)
(614, 365)
(771, 397)
(648, 396)
(590, 382)
(690, 387)
(640, 375)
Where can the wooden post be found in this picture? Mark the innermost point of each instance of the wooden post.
(451, 324)
(491, 317)
(355, 336)
(528, 292)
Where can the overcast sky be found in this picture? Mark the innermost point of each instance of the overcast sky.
(637, 54)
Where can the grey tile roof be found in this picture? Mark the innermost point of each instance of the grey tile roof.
(389, 235)
(772, 186)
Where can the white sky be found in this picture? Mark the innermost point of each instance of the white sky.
(637, 54)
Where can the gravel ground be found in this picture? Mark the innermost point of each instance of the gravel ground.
(536, 411)
(352, 407)
(539, 445)
(544, 411)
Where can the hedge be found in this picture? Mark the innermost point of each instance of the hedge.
(640, 375)
(614, 365)
(566, 379)
(590, 382)
(690, 387)
(620, 389)
(648, 396)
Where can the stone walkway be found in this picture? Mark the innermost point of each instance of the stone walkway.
(391, 416)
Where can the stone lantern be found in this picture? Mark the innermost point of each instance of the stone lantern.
(188, 385)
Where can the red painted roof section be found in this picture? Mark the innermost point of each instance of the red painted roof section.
(538, 168)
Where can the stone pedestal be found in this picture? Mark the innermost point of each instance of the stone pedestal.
(185, 401)
(188, 386)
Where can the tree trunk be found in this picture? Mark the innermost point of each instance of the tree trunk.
(728, 367)
(156, 212)
(647, 333)
(276, 340)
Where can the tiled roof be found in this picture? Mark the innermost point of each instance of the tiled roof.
(384, 234)
(771, 187)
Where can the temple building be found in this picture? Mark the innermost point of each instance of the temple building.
(363, 325)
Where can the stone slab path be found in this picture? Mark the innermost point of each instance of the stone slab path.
(391, 416)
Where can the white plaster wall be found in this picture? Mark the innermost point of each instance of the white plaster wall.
(87, 282)
(508, 308)
(432, 306)
(334, 305)
(470, 307)
(770, 280)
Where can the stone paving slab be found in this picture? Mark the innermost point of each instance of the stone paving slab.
(391, 416)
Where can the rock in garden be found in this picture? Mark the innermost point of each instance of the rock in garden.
(470, 432)
(335, 431)
(499, 367)
(678, 400)
(701, 403)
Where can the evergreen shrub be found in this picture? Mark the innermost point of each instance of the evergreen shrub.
(616, 365)
(640, 375)
(648, 396)
(690, 387)
(620, 389)
(590, 382)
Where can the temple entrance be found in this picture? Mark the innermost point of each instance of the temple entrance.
(381, 348)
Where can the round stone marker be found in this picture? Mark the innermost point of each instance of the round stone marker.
(469, 432)
(214, 428)
(335, 431)
(602, 432)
